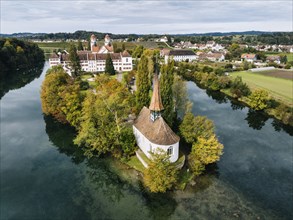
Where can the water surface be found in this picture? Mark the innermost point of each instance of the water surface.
(44, 176)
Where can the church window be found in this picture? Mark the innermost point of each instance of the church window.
(170, 150)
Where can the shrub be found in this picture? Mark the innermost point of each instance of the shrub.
(258, 100)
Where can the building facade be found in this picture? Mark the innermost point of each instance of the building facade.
(180, 55)
(95, 60)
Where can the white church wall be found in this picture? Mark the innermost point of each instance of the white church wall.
(146, 146)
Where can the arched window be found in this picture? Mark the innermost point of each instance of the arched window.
(170, 150)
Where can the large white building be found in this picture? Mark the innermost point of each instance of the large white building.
(180, 55)
(95, 59)
(152, 132)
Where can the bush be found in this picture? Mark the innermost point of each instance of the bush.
(238, 88)
(258, 100)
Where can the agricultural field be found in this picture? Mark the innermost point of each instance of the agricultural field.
(276, 82)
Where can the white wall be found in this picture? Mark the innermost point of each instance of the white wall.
(146, 146)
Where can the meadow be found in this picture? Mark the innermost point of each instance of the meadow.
(279, 88)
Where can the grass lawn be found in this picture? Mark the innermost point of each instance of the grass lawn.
(135, 163)
(279, 89)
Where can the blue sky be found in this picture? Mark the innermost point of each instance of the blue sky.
(142, 17)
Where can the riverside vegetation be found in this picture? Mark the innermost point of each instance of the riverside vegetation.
(102, 119)
(18, 58)
(258, 99)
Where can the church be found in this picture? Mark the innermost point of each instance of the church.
(95, 59)
(152, 132)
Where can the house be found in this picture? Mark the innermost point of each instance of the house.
(152, 132)
(291, 50)
(180, 55)
(210, 44)
(163, 39)
(249, 57)
(95, 60)
(215, 57)
(274, 58)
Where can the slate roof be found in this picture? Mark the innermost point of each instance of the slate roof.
(181, 53)
(158, 131)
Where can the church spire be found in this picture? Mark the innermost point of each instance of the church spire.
(156, 105)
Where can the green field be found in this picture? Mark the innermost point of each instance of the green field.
(279, 89)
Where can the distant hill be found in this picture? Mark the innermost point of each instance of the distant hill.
(79, 34)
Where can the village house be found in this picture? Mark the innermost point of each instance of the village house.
(248, 57)
(152, 132)
(180, 55)
(274, 58)
(95, 59)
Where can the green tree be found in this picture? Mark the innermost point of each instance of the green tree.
(193, 127)
(161, 173)
(137, 53)
(283, 59)
(238, 88)
(179, 95)
(103, 128)
(123, 46)
(166, 83)
(109, 68)
(89, 44)
(74, 61)
(258, 99)
(204, 151)
(142, 84)
(79, 45)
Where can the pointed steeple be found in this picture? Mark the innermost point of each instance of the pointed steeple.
(156, 105)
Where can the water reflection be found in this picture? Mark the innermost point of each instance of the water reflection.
(217, 96)
(256, 119)
(19, 79)
(61, 136)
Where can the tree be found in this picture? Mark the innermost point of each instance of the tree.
(161, 173)
(283, 59)
(204, 151)
(109, 68)
(123, 46)
(258, 100)
(103, 123)
(142, 84)
(193, 127)
(61, 97)
(79, 45)
(238, 88)
(74, 61)
(166, 83)
(89, 45)
(179, 95)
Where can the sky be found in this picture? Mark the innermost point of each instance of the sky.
(145, 16)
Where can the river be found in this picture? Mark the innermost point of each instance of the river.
(44, 176)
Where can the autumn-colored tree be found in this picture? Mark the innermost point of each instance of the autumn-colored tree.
(103, 127)
(204, 151)
(258, 99)
(193, 127)
(161, 173)
(61, 97)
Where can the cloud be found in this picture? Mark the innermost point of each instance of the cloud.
(145, 16)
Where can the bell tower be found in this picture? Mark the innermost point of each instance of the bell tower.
(156, 105)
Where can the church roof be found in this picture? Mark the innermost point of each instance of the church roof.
(156, 102)
(158, 131)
